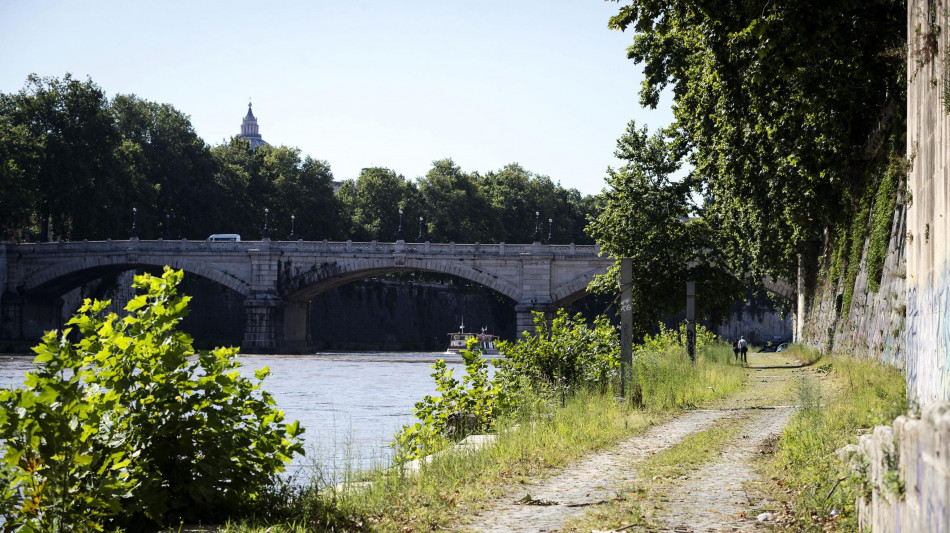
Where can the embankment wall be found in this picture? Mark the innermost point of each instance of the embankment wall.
(874, 327)
(928, 217)
(908, 464)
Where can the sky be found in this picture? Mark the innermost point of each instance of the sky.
(360, 83)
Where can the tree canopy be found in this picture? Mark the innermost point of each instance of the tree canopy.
(779, 109)
(74, 165)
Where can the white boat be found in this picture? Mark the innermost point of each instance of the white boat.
(458, 341)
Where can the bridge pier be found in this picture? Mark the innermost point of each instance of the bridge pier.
(272, 325)
(263, 323)
(296, 327)
(524, 317)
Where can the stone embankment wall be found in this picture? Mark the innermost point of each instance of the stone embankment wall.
(758, 321)
(909, 463)
(905, 468)
(928, 217)
(392, 315)
(874, 326)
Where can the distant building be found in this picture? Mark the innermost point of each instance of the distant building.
(250, 130)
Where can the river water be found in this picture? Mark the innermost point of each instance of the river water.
(349, 404)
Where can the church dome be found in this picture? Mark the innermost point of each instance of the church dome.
(250, 129)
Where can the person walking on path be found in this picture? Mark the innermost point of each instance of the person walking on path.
(735, 348)
(743, 348)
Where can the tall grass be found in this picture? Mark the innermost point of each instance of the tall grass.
(664, 380)
(859, 395)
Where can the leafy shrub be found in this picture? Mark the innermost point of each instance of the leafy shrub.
(669, 339)
(475, 400)
(558, 358)
(564, 353)
(130, 427)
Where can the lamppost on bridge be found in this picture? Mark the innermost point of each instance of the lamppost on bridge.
(537, 221)
(167, 224)
(399, 230)
(419, 238)
(135, 230)
(266, 235)
(550, 227)
(293, 237)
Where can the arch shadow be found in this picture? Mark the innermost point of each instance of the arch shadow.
(61, 278)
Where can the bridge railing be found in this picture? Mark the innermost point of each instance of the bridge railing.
(184, 245)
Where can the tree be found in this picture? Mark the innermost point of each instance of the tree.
(779, 104)
(374, 200)
(176, 164)
(85, 176)
(20, 155)
(645, 216)
(457, 209)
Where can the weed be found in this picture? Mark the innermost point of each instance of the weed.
(856, 395)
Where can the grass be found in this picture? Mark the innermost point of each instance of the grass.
(846, 397)
(459, 482)
(664, 381)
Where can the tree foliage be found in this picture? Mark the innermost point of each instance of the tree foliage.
(779, 106)
(648, 215)
(129, 427)
(74, 164)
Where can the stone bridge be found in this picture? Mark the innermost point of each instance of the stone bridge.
(279, 278)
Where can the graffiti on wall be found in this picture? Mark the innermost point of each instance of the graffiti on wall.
(928, 340)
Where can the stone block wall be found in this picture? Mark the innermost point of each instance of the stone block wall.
(908, 465)
(757, 320)
(905, 468)
(928, 217)
(874, 326)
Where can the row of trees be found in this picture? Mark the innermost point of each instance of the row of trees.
(787, 115)
(74, 164)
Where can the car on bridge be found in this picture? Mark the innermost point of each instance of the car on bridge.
(225, 237)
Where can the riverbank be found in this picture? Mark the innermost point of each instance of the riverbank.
(757, 455)
(454, 488)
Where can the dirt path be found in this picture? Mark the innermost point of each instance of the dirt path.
(710, 499)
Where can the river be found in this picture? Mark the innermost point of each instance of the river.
(350, 404)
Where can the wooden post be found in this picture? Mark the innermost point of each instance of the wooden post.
(691, 320)
(626, 321)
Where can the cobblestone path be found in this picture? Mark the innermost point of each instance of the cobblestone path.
(710, 499)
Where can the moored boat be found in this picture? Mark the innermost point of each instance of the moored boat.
(485, 341)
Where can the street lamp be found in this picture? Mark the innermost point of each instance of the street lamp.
(292, 236)
(266, 220)
(419, 238)
(167, 224)
(399, 230)
(536, 227)
(550, 226)
(135, 230)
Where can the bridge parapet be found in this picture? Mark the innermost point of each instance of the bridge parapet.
(315, 246)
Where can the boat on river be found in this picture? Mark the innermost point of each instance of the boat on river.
(485, 341)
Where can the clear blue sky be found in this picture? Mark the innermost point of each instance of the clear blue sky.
(360, 83)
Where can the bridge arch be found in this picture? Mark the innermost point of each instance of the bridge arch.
(60, 278)
(575, 288)
(304, 286)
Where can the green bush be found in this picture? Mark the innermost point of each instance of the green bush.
(474, 403)
(129, 427)
(558, 358)
(563, 354)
